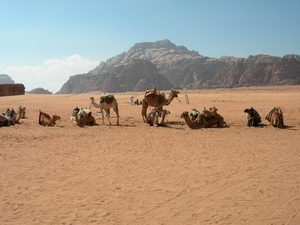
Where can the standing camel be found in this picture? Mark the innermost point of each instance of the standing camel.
(106, 102)
(156, 100)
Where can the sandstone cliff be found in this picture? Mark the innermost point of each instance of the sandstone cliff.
(183, 69)
(11, 89)
(136, 75)
(259, 70)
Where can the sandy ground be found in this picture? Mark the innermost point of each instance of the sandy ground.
(137, 174)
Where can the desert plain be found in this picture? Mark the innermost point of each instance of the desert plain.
(139, 174)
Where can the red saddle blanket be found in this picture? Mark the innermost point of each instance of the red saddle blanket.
(43, 114)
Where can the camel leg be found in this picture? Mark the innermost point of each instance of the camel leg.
(117, 113)
(144, 110)
(107, 111)
(102, 116)
(155, 115)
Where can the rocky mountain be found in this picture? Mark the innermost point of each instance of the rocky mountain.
(166, 65)
(11, 89)
(5, 79)
(39, 91)
(136, 75)
(259, 70)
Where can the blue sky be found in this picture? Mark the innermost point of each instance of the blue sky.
(44, 42)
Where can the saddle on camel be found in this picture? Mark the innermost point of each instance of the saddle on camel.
(152, 93)
(46, 120)
(108, 98)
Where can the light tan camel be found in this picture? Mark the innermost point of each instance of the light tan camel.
(201, 122)
(106, 102)
(275, 117)
(46, 120)
(12, 116)
(23, 112)
(156, 117)
(82, 117)
(156, 100)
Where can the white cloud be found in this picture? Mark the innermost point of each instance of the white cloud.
(51, 75)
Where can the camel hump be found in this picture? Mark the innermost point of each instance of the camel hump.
(107, 96)
(152, 91)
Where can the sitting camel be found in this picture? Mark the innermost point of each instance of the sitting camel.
(275, 117)
(253, 117)
(82, 117)
(5, 121)
(106, 102)
(156, 100)
(46, 120)
(12, 116)
(201, 121)
(156, 117)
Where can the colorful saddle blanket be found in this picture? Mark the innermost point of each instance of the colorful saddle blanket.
(108, 98)
(43, 114)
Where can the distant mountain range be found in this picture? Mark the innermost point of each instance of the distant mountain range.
(5, 79)
(165, 65)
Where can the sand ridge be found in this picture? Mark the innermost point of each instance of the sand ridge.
(137, 174)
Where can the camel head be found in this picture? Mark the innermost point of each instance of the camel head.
(250, 111)
(92, 98)
(174, 93)
(166, 111)
(184, 114)
(75, 111)
(56, 117)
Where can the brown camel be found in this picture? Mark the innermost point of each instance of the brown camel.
(106, 102)
(156, 100)
(83, 117)
(202, 122)
(46, 120)
(156, 117)
(275, 117)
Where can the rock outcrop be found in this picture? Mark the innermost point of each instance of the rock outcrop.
(11, 89)
(259, 70)
(5, 79)
(39, 91)
(183, 69)
(136, 75)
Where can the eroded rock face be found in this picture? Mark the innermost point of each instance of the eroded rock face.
(132, 76)
(11, 89)
(260, 70)
(39, 91)
(166, 65)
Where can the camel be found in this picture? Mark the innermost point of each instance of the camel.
(82, 117)
(275, 117)
(12, 116)
(157, 117)
(253, 117)
(46, 120)
(156, 100)
(5, 121)
(106, 102)
(201, 121)
(23, 112)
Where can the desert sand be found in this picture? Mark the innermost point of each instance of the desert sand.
(138, 174)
